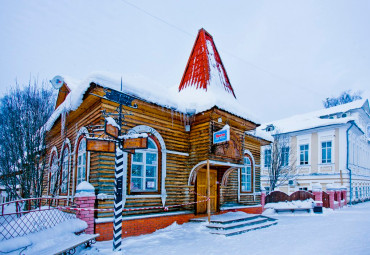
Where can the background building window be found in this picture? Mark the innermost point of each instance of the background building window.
(267, 161)
(64, 177)
(326, 152)
(285, 156)
(81, 161)
(303, 154)
(144, 169)
(246, 176)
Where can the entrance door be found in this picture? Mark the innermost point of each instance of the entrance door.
(202, 190)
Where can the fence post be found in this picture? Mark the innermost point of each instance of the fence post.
(339, 197)
(344, 195)
(263, 198)
(330, 190)
(317, 192)
(85, 198)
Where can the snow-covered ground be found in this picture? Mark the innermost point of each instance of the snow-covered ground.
(345, 231)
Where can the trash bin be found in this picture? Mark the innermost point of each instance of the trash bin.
(317, 209)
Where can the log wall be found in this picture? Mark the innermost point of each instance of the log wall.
(171, 126)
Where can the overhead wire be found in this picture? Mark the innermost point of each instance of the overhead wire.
(221, 49)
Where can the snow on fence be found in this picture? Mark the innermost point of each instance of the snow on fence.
(21, 217)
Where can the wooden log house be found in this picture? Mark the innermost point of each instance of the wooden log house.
(171, 172)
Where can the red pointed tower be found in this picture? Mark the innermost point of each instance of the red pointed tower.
(204, 67)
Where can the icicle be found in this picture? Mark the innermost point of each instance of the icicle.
(172, 116)
(63, 124)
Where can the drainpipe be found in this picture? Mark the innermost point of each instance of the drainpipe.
(350, 171)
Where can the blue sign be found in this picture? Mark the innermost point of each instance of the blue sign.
(221, 136)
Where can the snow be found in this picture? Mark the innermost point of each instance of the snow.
(344, 231)
(291, 204)
(102, 196)
(259, 133)
(315, 119)
(111, 121)
(84, 186)
(40, 220)
(62, 232)
(85, 189)
(132, 136)
(168, 97)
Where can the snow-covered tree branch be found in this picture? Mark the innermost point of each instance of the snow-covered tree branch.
(23, 112)
(280, 161)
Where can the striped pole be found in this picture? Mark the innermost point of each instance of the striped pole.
(118, 205)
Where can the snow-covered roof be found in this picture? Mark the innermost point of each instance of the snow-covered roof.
(325, 117)
(150, 91)
(205, 84)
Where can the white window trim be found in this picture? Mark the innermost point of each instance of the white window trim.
(78, 155)
(251, 175)
(253, 192)
(85, 132)
(302, 140)
(144, 152)
(326, 136)
(150, 130)
(53, 150)
(67, 143)
(63, 169)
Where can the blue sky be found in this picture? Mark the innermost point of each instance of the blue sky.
(282, 57)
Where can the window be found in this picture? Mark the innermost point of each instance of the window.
(267, 188)
(267, 162)
(303, 154)
(144, 169)
(64, 177)
(53, 173)
(326, 152)
(285, 156)
(246, 176)
(270, 128)
(81, 161)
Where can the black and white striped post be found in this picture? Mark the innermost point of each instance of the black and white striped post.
(118, 204)
(118, 186)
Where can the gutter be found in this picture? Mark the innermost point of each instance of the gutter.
(347, 163)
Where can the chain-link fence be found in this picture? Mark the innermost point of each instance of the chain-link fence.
(22, 217)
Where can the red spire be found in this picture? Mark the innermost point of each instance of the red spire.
(198, 69)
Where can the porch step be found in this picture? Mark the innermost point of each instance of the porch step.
(241, 230)
(233, 223)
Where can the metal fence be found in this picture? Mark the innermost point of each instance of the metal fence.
(278, 196)
(22, 217)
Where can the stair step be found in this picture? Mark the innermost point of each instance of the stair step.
(237, 231)
(238, 224)
(218, 219)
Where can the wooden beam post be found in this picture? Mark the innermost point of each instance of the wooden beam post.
(208, 193)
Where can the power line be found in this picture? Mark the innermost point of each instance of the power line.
(227, 52)
(160, 19)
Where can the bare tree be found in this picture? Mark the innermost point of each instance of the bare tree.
(281, 161)
(23, 113)
(344, 98)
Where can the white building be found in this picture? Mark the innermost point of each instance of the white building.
(330, 146)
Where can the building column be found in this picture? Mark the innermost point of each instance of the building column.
(85, 199)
